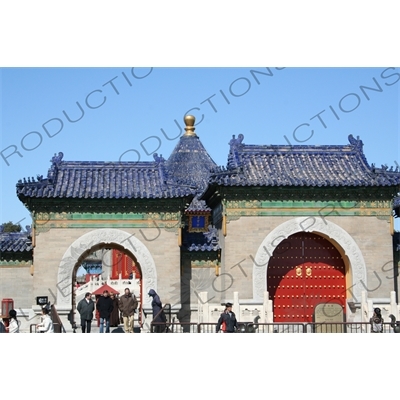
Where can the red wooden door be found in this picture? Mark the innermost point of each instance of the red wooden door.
(304, 271)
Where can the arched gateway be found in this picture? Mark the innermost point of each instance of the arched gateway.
(94, 238)
(305, 271)
(336, 242)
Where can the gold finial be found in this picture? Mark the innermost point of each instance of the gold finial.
(189, 121)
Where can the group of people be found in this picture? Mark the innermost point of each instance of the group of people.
(108, 306)
(227, 322)
(45, 326)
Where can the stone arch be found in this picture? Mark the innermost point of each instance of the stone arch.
(316, 225)
(106, 236)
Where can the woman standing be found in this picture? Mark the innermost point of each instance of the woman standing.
(46, 326)
(13, 326)
(114, 318)
(376, 321)
(159, 317)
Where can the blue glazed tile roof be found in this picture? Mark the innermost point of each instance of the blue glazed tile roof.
(104, 180)
(189, 163)
(201, 241)
(203, 247)
(184, 174)
(317, 166)
(198, 206)
(190, 169)
(15, 242)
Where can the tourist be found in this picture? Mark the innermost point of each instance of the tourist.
(227, 321)
(159, 317)
(2, 326)
(376, 321)
(128, 304)
(114, 317)
(46, 326)
(104, 307)
(13, 325)
(85, 309)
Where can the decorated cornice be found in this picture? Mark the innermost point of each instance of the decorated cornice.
(203, 259)
(46, 221)
(123, 206)
(15, 263)
(235, 209)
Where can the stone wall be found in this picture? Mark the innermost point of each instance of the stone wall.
(244, 237)
(16, 282)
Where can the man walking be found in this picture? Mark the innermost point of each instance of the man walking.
(104, 307)
(127, 305)
(85, 309)
(227, 321)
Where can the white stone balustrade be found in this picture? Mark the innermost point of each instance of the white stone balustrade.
(118, 284)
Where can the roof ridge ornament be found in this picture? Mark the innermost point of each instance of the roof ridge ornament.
(56, 159)
(55, 163)
(158, 158)
(212, 235)
(233, 157)
(189, 121)
(357, 143)
(234, 143)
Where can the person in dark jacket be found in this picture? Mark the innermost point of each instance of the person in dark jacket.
(127, 305)
(227, 321)
(158, 315)
(114, 317)
(85, 309)
(104, 307)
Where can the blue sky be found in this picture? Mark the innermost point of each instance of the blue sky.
(135, 112)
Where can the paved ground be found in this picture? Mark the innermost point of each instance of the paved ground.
(119, 329)
(95, 329)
